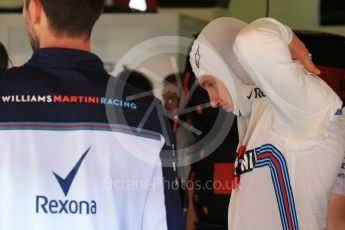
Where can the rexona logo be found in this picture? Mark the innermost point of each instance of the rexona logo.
(55, 206)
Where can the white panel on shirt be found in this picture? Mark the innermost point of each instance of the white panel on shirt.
(109, 190)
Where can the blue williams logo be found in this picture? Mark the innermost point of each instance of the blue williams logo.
(54, 206)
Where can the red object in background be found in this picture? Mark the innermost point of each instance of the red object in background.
(124, 4)
(222, 178)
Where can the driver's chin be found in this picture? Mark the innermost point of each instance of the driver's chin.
(228, 108)
(215, 104)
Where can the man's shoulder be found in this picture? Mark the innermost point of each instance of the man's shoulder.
(21, 72)
(15, 71)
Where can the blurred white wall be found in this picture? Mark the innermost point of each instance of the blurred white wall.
(206, 14)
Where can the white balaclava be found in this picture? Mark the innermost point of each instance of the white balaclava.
(212, 54)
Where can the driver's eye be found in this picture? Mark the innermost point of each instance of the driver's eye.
(208, 85)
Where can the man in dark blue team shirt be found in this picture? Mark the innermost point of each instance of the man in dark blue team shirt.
(74, 153)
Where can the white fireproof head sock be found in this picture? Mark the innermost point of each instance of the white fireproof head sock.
(212, 54)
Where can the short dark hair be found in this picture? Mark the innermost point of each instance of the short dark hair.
(171, 78)
(136, 79)
(4, 60)
(72, 17)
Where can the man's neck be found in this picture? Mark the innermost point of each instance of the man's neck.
(66, 42)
